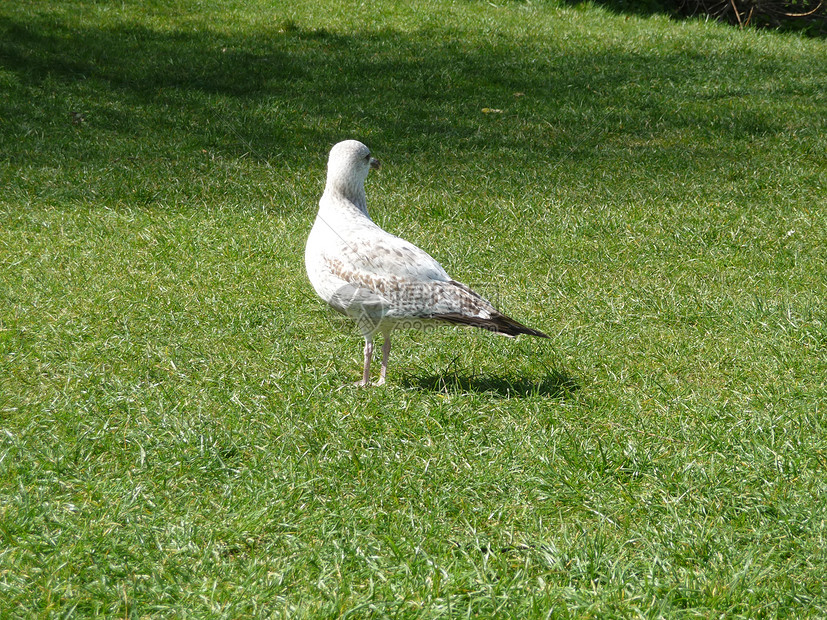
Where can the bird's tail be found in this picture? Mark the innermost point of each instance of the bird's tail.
(498, 323)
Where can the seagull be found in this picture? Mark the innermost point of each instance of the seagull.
(378, 280)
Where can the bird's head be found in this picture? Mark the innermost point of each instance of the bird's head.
(348, 166)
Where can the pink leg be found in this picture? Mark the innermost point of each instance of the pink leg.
(368, 354)
(386, 351)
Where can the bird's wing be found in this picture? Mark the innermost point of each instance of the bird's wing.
(389, 277)
(410, 282)
(375, 254)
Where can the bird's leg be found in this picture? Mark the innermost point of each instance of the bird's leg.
(386, 351)
(368, 354)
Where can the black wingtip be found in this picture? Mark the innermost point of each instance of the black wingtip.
(500, 324)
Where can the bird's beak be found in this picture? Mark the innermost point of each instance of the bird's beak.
(375, 163)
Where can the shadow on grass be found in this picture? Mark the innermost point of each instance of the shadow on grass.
(808, 17)
(97, 93)
(555, 384)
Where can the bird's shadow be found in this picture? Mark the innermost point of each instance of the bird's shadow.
(553, 384)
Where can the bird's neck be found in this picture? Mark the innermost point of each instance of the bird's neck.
(353, 193)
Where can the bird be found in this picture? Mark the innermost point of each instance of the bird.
(377, 279)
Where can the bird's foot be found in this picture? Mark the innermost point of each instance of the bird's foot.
(381, 381)
(352, 385)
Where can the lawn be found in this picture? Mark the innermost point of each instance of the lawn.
(178, 433)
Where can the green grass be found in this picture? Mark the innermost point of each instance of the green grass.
(174, 441)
